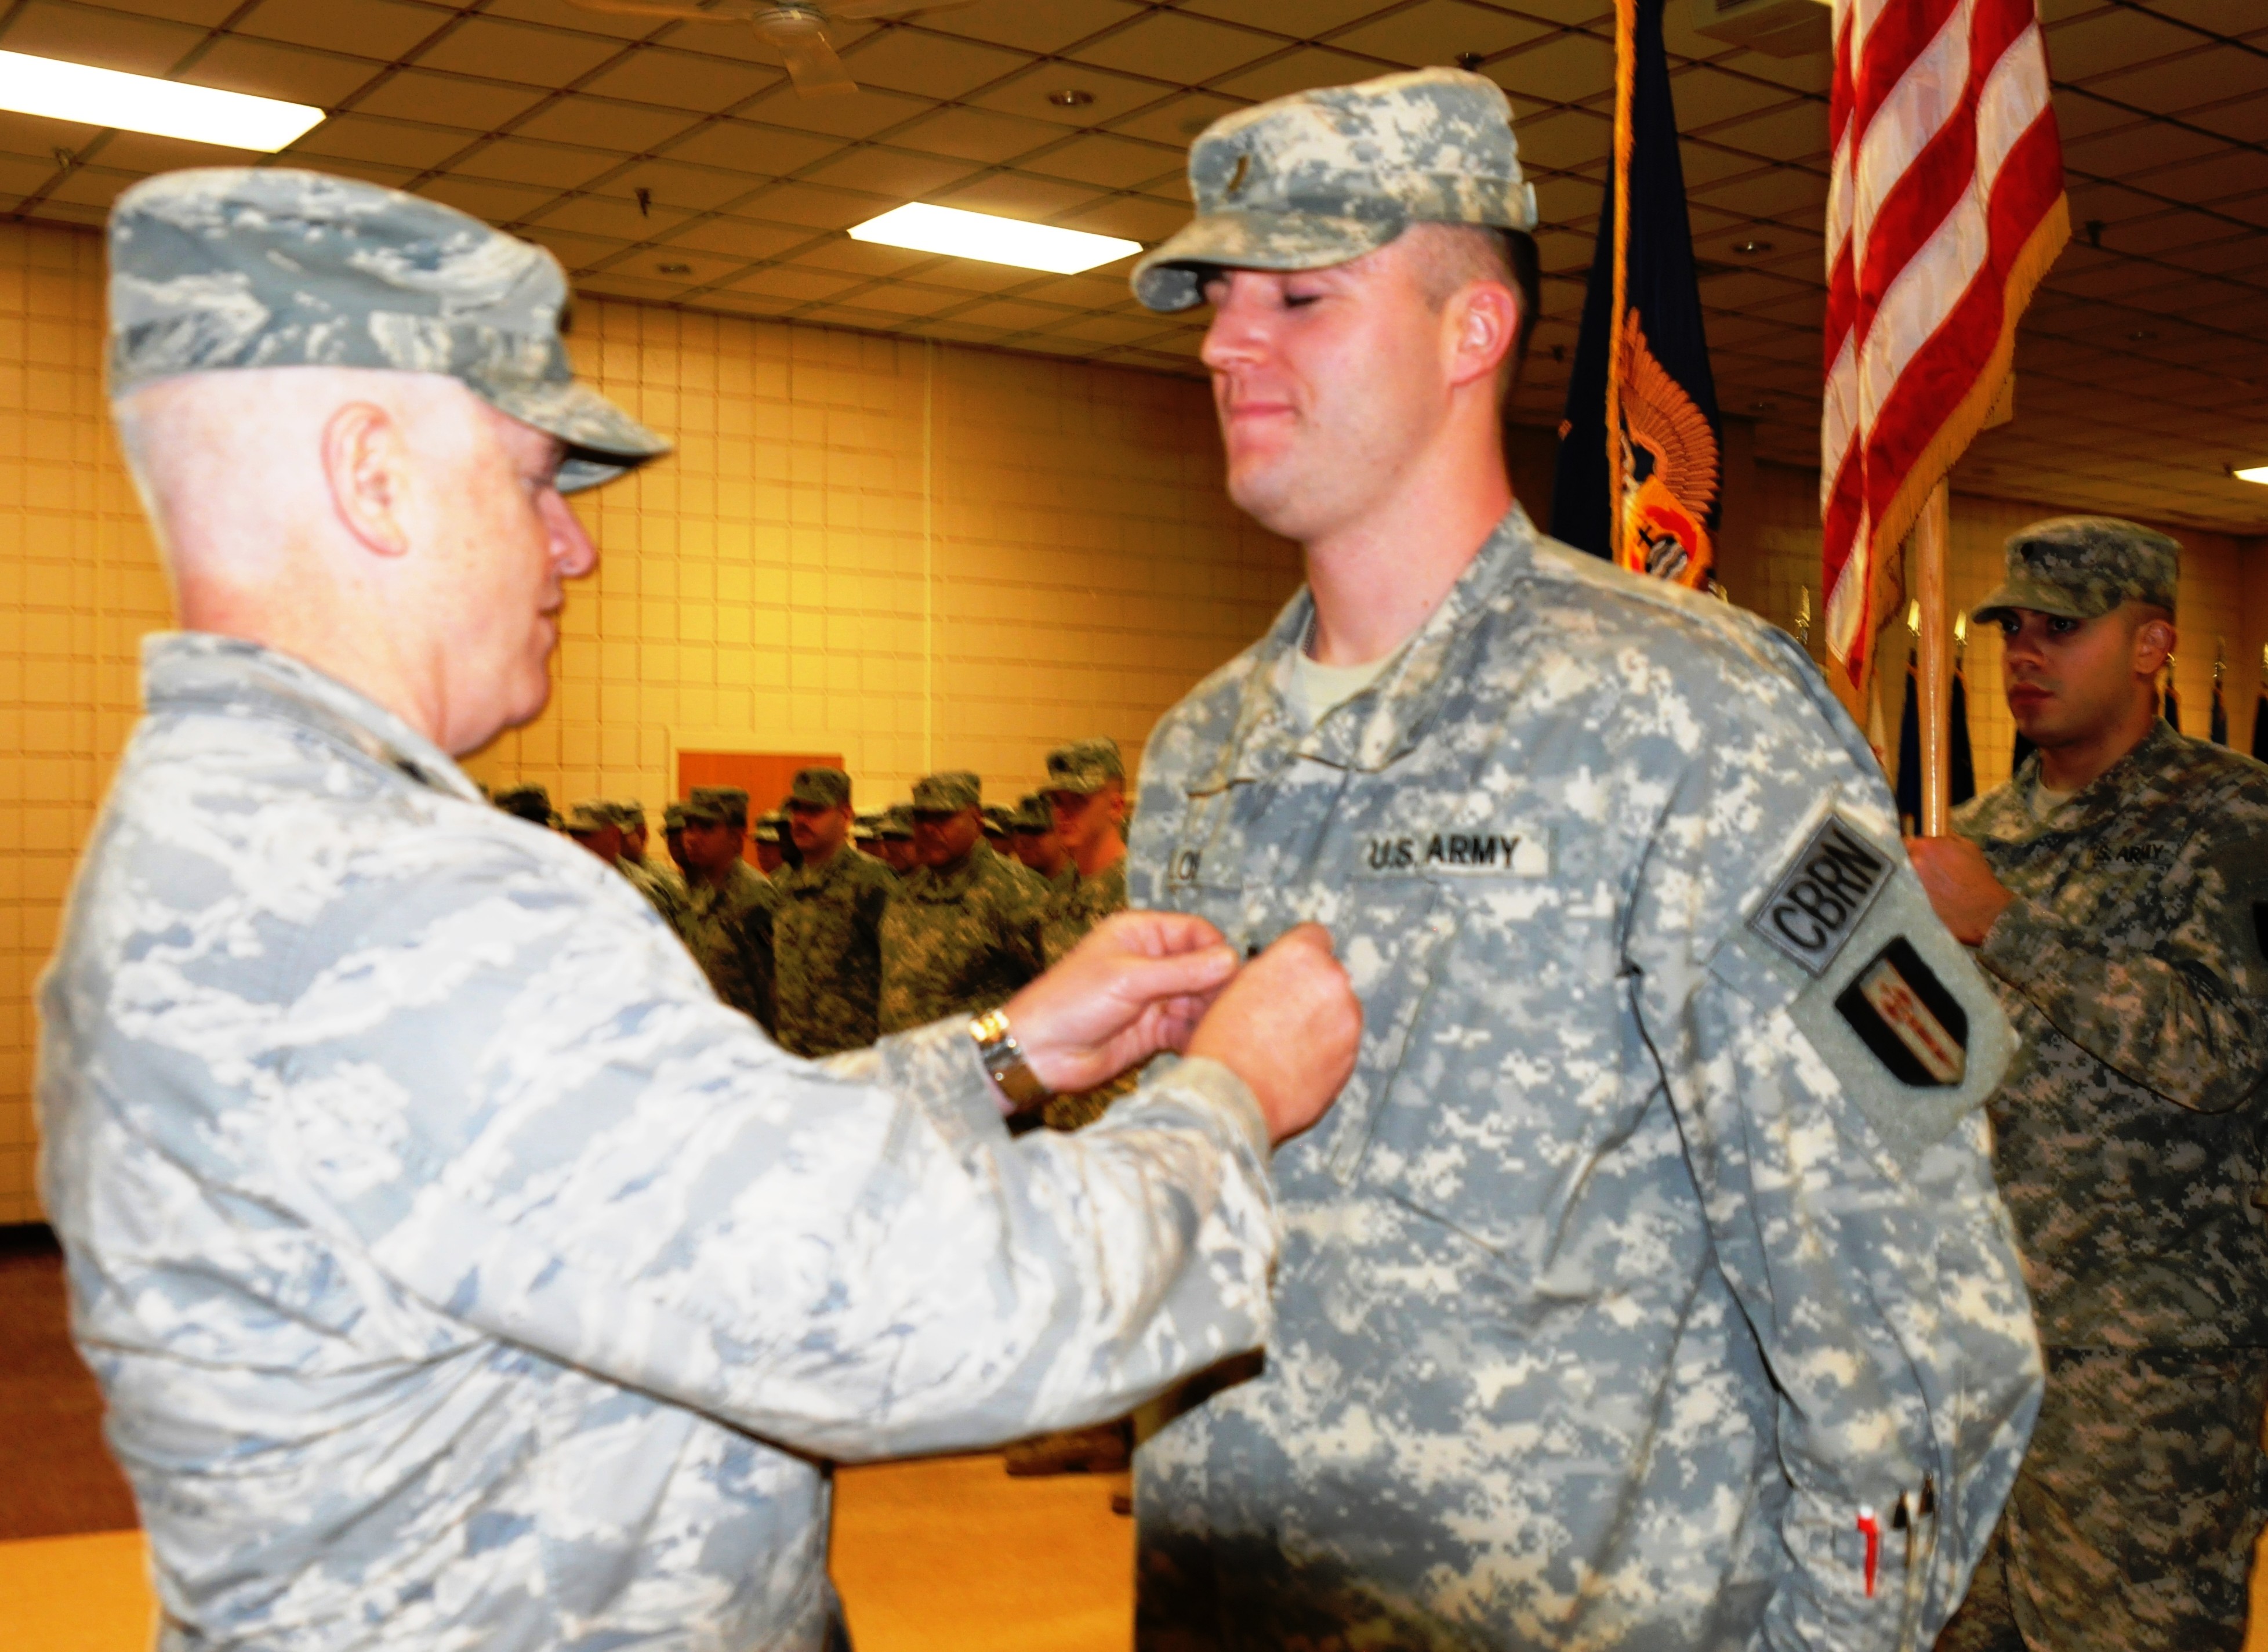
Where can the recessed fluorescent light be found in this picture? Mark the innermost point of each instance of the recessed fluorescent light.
(2252, 473)
(138, 103)
(997, 240)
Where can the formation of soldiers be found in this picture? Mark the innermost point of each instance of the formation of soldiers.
(847, 927)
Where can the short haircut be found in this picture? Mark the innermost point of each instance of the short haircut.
(1465, 253)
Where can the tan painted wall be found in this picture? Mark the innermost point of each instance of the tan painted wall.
(921, 557)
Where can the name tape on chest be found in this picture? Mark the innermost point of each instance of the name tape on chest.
(1421, 854)
(1816, 905)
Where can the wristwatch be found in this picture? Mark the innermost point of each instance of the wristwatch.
(1003, 1060)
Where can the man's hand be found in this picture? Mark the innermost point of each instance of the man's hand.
(1960, 884)
(1137, 983)
(1289, 1025)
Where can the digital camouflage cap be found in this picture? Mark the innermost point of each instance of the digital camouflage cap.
(729, 804)
(772, 828)
(528, 800)
(223, 267)
(2081, 567)
(820, 788)
(1085, 766)
(593, 816)
(1322, 177)
(1033, 815)
(947, 792)
(897, 823)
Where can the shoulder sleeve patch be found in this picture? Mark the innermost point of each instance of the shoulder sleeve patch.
(1844, 940)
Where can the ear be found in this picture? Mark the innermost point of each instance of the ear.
(2155, 642)
(367, 464)
(1483, 320)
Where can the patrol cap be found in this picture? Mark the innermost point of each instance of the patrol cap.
(863, 826)
(2081, 567)
(728, 803)
(897, 823)
(1033, 815)
(704, 811)
(592, 816)
(628, 812)
(672, 817)
(229, 267)
(1322, 177)
(998, 817)
(947, 792)
(529, 801)
(820, 788)
(771, 828)
(1085, 766)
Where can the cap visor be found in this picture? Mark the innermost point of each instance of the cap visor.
(1168, 277)
(603, 442)
(2032, 598)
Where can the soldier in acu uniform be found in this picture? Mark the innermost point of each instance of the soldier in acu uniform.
(894, 839)
(597, 826)
(771, 836)
(728, 903)
(637, 845)
(1086, 796)
(458, 1270)
(1648, 1289)
(1038, 847)
(827, 931)
(2115, 890)
(965, 928)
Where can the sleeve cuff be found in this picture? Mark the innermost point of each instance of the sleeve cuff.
(937, 1067)
(1200, 1080)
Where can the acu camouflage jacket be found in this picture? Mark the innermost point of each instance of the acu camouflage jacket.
(461, 1275)
(2127, 1142)
(1654, 1237)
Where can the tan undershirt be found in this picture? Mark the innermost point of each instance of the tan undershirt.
(1317, 688)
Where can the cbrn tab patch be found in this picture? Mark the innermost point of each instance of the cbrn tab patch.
(1826, 889)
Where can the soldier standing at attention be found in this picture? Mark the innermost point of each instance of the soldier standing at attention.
(964, 929)
(728, 903)
(457, 1272)
(894, 839)
(1085, 795)
(637, 845)
(1649, 1288)
(2115, 890)
(827, 931)
(771, 842)
(1037, 846)
(597, 826)
(672, 840)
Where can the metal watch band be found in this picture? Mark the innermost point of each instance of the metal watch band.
(1004, 1058)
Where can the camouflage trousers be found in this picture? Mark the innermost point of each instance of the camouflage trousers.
(2132, 1524)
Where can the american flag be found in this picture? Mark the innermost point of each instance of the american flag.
(1944, 210)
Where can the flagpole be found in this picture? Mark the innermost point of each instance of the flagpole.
(1933, 661)
(1625, 84)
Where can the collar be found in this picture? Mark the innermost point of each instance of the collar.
(1387, 719)
(199, 671)
(2111, 792)
(929, 884)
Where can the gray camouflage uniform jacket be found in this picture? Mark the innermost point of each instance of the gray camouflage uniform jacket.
(460, 1275)
(2131, 963)
(1628, 1269)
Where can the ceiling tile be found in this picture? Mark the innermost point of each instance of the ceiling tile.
(1179, 48)
(741, 146)
(975, 135)
(1015, 315)
(1135, 218)
(81, 34)
(498, 203)
(1114, 95)
(612, 217)
(1704, 97)
(381, 29)
(874, 110)
(205, 13)
(1566, 69)
(517, 51)
(1562, 138)
(1299, 71)
(632, 128)
(2199, 80)
(1111, 162)
(681, 80)
(926, 65)
(477, 105)
(367, 137)
(803, 285)
(577, 252)
(521, 160)
(36, 136)
(680, 270)
(1179, 119)
(1014, 195)
(1438, 32)
(1299, 19)
(738, 238)
(288, 73)
(1034, 25)
(2112, 38)
(894, 173)
(808, 205)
